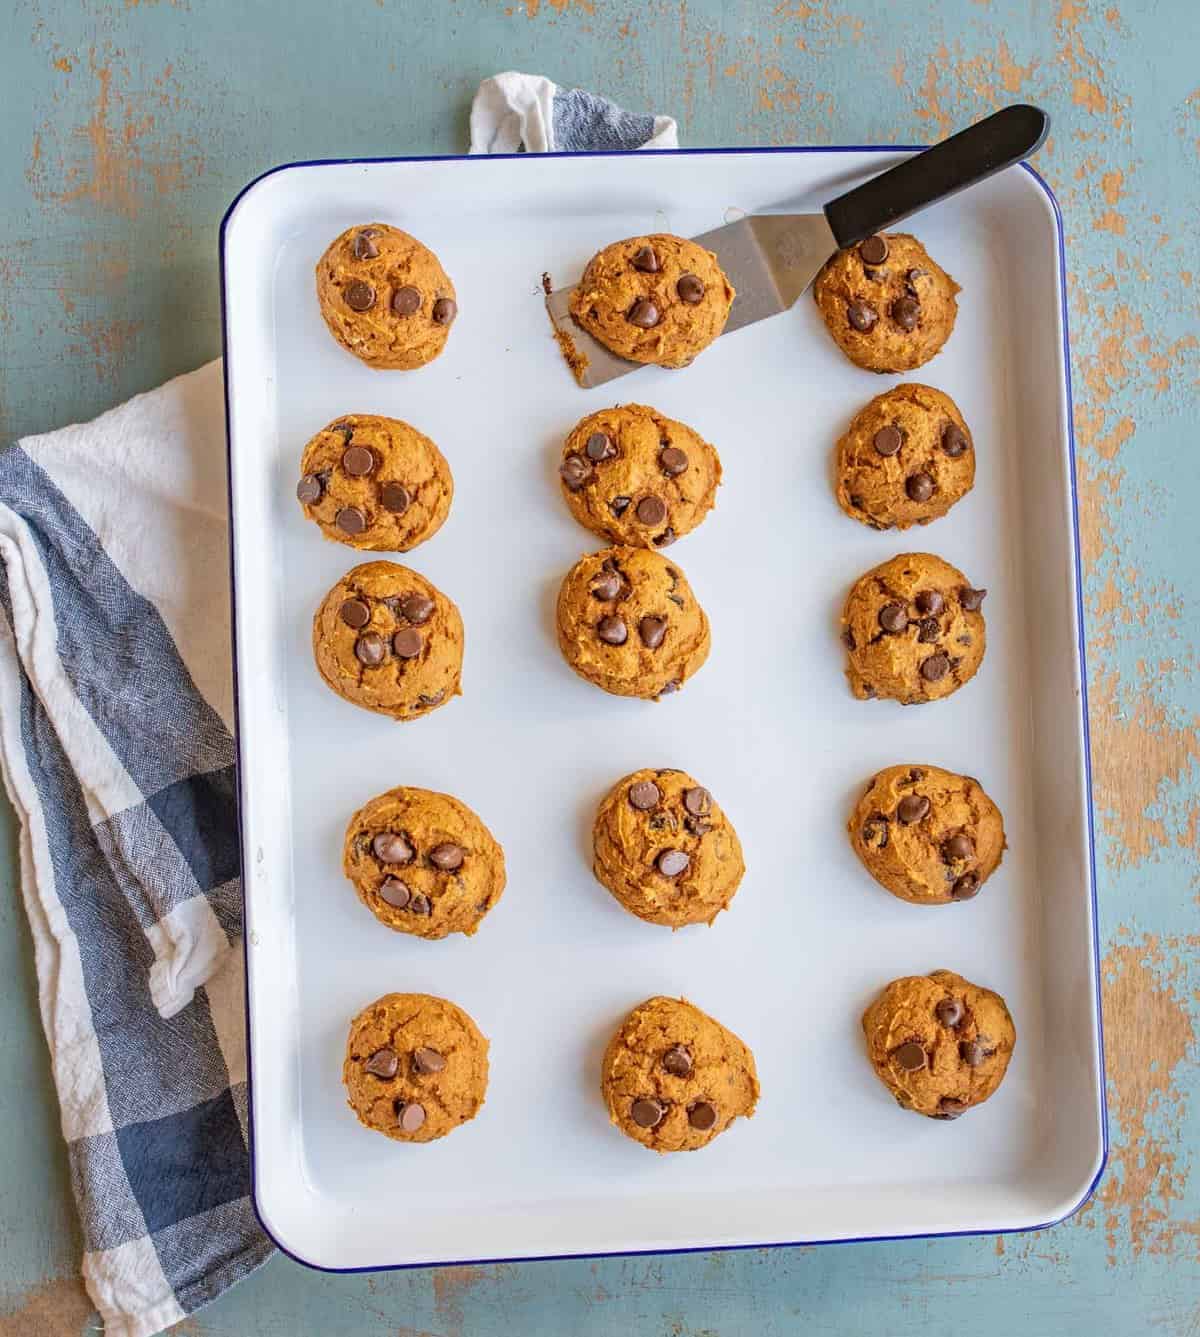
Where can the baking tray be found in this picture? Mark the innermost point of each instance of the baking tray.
(768, 724)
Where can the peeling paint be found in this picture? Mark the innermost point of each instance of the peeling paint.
(56, 1309)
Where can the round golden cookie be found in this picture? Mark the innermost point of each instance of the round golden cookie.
(374, 483)
(674, 1078)
(423, 863)
(629, 622)
(389, 640)
(905, 459)
(665, 849)
(633, 476)
(939, 1043)
(660, 299)
(385, 297)
(888, 306)
(913, 630)
(416, 1067)
(929, 836)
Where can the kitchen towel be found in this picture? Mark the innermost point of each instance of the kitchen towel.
(116, 744)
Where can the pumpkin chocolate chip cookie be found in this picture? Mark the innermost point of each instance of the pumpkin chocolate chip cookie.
(633, 476)
(374, 483)
(905, 459)
(389, 640)
(888, 306)
(416, 1067)
(385, 297)
(939, 1043)
(659, 299)
(423, 863)
(913, 630)
(928, 835)
(629, 622)
(665, 849)
(673, 1078)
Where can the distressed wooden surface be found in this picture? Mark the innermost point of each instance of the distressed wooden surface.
(128, 126)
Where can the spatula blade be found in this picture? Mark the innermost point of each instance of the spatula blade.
(769, 258)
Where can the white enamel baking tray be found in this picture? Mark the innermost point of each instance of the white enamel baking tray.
(768, 724)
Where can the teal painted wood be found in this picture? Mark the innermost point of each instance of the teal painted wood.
(129, 125)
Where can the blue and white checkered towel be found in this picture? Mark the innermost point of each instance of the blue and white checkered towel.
(116, 718)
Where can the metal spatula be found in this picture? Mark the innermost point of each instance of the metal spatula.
(772, 258)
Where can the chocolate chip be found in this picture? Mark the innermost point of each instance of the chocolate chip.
(888, 440)
(935, 668)
(906, 311)
(958, 847)
(915, 775)
(954, 440)
(420, 905)
(929, 601)
(972, 1052)
(575, 471)
(394, 497)
(426, 1060)
(355, 613)
(874, 251)
(444, 311)
(652, 630)
(665, 539)
(346, 430)
(671, 688)
(848, 639)
(350, 520)
(930, 630)
(407, 643)
(383, 1063)
(358, 296)
(919, 487)
(358, 461)
(971, 600)
(309, 489)
(612, 630)
(672, 461)
(435, 700)
(643, 313)
(600, 447)
(619, 505)
(702, 1116)
(606, 586)
(872, 274)
(646, 1113)
(862, 316)
(949, 1011)
(893, 617)
(670, 863)
(698, 801)
(417, 608)
(406, 301)
(651, 511)
(965, 888)
(391, 847)
(645, 260)
(411, 1116)
(369, 649)
(913, 275)
(690, 289)
(447, 856)
(910, 1056)
(394, 893)
(644, 795)
(875, 832)
(949, 1108)
(696, 826)
(912, 808)
(363, 246)
(678, 1061)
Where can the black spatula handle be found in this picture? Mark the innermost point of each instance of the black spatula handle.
(996, 142)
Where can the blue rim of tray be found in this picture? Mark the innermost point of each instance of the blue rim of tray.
(1082, 649)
